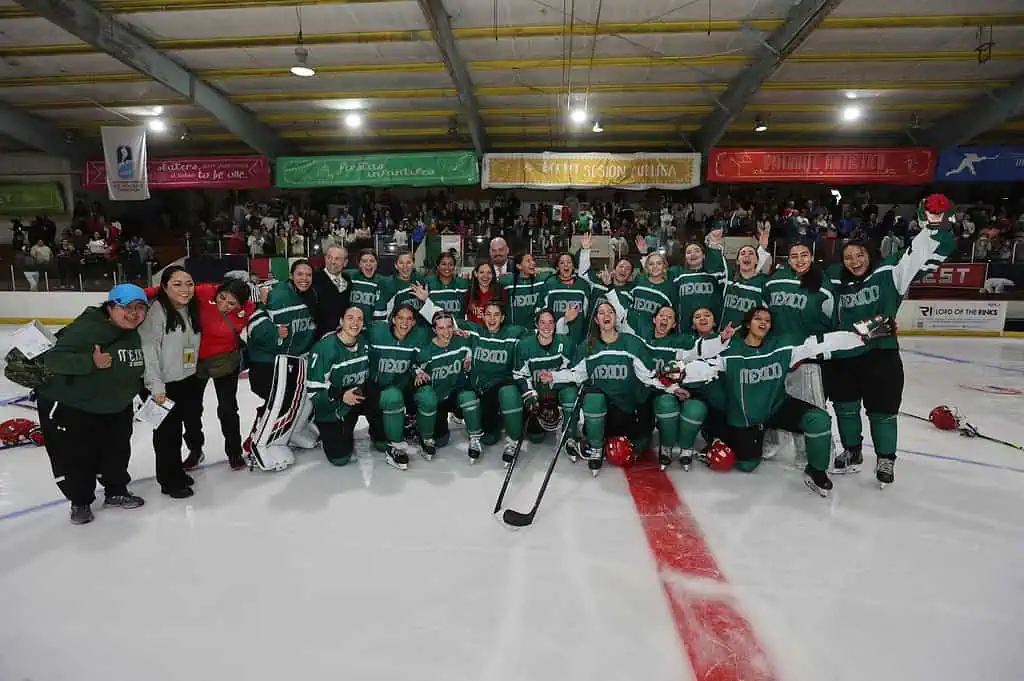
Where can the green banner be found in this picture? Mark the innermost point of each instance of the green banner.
(31, 199)
(447, 168)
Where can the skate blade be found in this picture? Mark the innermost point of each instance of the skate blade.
(686, 467)
(883, 485)
(473, 461)
(595, 473)
(849, 470)
(823, 493)
(573, 459)
(399, 466)
(663, 466)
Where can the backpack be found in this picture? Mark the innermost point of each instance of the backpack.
(28, 373)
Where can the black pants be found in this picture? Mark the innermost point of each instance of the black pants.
(491, 419)
(748, 443)
(187, 395)
(336, 436)
(636, 425)
(876, 378)
(82, 446)
(261, 376)
(714, 425)
(227, 413)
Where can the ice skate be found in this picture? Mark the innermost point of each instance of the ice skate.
(848, 461)
(885, 471)
(686, 458)
(475, 448)
(665, 458)
(428, 448)
(397, 456)
(817, 481)
(572, 449)
(595, 463)
(509, 452)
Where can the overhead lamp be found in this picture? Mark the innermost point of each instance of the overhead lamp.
(597, 127)
(353, 121)
(578, 115)
(302, 68)
(760, 125)
(157, 125)
(850, 94)
(851, 113)
(156, 110)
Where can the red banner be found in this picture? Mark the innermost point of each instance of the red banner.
(221, 172)
(914, 165)
(964, 275)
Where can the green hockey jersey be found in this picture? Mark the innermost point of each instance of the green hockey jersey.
(394, 292)
(331, 363)
(740, 296)
(532, 358)
(284, 307)
(558, 295)
(444, 365)
(797, 311)
(882, 290)
(365, 294)
(648, 297)
(623, 370)
(391, 359)
(699, 288)
(521, 295)
(450, 297)
(754, 378)
(493, 354)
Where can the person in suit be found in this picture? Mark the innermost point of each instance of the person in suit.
(333, 289)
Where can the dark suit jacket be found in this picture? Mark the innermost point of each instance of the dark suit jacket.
(332, 303)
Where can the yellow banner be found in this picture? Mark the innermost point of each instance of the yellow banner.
(551, 170)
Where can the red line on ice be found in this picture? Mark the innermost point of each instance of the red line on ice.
(718, 639)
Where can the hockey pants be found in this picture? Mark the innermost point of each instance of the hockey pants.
(432, 414)
(876, 379)
(337, 436)
(678, 422)
(566, 401)
(796, 417)
(602, 420)
(500, 406)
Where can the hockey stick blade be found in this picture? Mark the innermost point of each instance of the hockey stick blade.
(517, 519)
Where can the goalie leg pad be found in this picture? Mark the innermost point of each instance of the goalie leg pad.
(804, 383)
(273, 428)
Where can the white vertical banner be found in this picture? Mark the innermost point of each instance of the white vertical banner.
(124, 153)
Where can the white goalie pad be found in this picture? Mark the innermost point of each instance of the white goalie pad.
(803, 383)
(273, 430)
(305, 434)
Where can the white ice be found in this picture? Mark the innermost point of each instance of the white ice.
(365, 572)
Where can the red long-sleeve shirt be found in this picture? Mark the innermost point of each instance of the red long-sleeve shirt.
(216, 336)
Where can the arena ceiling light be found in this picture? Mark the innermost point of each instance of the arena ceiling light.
(302, 69)
(597, 127)
(760, 125)
(157, 125)
(578, 115)
(851, 114)
(353, 121)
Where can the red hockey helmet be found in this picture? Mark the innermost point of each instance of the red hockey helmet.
(619, 451)
(944, 418)
(13, 431)
(721, 458)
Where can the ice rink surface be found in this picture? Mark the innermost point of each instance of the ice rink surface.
(368, 573)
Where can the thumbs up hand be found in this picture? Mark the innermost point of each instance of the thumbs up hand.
(101, 359)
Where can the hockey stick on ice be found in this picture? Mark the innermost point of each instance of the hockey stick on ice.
(511, 466)
(518, 519)
(968, 430)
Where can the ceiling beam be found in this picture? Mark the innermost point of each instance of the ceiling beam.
(783, 41)
(139, 6)
(441, 26)
(989, 111)
(43, 135)
(83, 20)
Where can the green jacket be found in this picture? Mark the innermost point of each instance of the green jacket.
(284, 307)
(78, 382)
(333, 364)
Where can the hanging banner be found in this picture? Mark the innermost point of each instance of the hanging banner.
(912, 165)
(962, 275)
(447, 168)
(38, 198)
(221, 172)
(124, 153)
(554, 170)
(981, 164)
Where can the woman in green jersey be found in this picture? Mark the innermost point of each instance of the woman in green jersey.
(338, 383)
(396, 290)
(744, 289)
(501, 405)
(866, 286)
(366, 285)
(753, 374)
(698, 281)
(448, 291)
(564, 290)
(620, 373)
(544, 351)
(652, 289)
(284, 325)
(521, 288)
(443, 387)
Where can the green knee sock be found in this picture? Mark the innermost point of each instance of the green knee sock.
(691, 418)
(511, 404)
(848, 420)
(817, 425)
(883, 433)
(469, 403)
(666, 412)
(392, 406)
(426, 411)
(594, 410)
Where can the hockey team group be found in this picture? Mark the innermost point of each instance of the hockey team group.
(597, 360)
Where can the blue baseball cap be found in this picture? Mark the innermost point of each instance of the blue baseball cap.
(126, 294)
